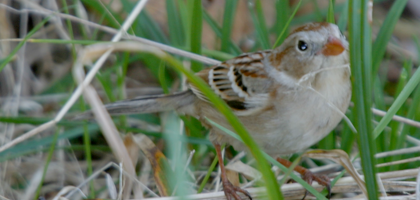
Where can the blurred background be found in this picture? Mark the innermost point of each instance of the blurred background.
(36, 81)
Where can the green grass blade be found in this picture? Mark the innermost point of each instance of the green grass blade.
(394, 125)
(59, 41)
(12, 54)
(153, 30)
(218, 55)
(162, 79)
(405, 93)
(406, 128)
(347, 137)
(185, 17)
(186, 139)
(378, 94)
(228, 16)
(88, 152)
(330, 15)
(385, 33)
(218, 31)
(344, 13)
(257, 16)
(360, 59)
(29, 152)
(152, 64)
(47, 163)
(113, 19)
(176, 31)
(379, 100)
(282, 18)
(175, 152)
(106, 85)
(196, 30)
(30, 145)
(206, 178)
(283, 35)
(312, 16)
(319, 16)
(36, 121)
(328, 142)
(366, 140)
(69, 28)
(121, 75)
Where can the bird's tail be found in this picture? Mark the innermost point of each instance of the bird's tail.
(147, 104)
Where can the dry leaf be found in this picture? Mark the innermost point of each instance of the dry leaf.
(246, 170)
(341, 158)
(158, 161)
(132, 148)
(233, 177)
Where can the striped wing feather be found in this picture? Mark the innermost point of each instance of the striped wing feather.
(242, 82)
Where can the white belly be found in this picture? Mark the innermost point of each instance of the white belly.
(298, 122)
(294, 121)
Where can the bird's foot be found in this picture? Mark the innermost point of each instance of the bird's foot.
(231, 191)
(323, 180)
(308, 176)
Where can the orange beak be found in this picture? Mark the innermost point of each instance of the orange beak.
(333, 47)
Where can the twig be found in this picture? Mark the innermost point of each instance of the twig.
(397, 118)
(99, 171)
(43, 11)
(398, 162)
(398, 152)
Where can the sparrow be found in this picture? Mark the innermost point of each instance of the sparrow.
(288, 98)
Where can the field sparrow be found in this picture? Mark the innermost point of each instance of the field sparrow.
(288, 98)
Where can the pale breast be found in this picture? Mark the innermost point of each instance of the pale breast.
(295, 120)
(306, 116)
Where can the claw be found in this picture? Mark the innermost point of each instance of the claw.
(323, 180)
(231, 191)
(309, 177)
(329, 191)
(304, 196)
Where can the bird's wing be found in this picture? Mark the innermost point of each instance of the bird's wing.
(241, 82)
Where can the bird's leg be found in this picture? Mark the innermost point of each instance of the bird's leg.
(229, 189)
(308, 176)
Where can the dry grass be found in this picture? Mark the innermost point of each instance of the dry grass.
(45, 80)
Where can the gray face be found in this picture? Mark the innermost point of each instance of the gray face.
(308, 49)
(311, 41)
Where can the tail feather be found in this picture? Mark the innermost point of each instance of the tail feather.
(148, 104)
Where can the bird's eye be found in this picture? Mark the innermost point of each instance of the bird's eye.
(302, 45)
